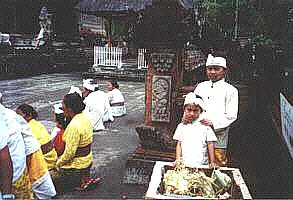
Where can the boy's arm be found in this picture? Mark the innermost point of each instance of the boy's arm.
(211, 152)
(178, 153)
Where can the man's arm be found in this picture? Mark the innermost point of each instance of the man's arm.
(231, 111)
(6, 171)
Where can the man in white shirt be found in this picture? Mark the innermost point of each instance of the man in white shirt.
(221, 100)
(6, 172)
(94, 105)
(24, 147)
(12, 138)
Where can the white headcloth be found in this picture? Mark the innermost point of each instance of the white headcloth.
(58, 108)
(216, 61)
(87, 83)
(74, 89)
(191, 98)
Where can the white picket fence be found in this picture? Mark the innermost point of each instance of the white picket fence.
(141, 61)
(107, 56)
(112, 56)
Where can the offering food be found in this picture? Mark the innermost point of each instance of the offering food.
(196, 182)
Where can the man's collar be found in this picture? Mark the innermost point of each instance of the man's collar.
(217, 82)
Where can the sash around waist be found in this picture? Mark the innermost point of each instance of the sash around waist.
(117, 104)
(46, 148)
(83, 151)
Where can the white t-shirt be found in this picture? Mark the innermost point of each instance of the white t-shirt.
(194, 138)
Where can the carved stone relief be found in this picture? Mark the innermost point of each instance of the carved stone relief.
(162, 62)
(161, 94)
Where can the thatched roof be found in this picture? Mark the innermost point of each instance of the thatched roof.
(121, 6)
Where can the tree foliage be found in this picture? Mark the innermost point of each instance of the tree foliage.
(262, 20)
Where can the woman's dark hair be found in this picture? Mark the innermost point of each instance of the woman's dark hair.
(74, 102)
(28, 110)
(114, 84)
(62, 120)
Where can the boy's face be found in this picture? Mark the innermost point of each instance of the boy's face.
(192, 112)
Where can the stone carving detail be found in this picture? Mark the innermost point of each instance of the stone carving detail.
(162, 62)
(193, 59)
(161, 94)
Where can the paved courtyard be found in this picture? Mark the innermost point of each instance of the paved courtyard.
(111, 147)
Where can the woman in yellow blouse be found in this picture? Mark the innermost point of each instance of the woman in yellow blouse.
(73, 166)
(40, 132)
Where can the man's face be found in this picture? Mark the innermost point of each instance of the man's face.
(215, 73)
(65, 110)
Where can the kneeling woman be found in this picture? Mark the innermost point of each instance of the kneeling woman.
(73, 166)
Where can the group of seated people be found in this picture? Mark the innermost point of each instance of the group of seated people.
(34, 163)
(102, 107)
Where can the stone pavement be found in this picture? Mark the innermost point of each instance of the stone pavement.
(111, 147)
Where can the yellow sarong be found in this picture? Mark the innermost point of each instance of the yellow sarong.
(37, 166)
(22, 188)
(221, 157)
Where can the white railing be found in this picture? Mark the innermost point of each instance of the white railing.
(141, 61)
(107, 56)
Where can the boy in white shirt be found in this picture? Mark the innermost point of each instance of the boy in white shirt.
(195, 141)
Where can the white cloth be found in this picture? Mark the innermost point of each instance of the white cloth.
(221, 101)
(93, 111)
(115, 96)
(3, 135)
(191, 98)
(21, 144)
(194, 138)
(44, 187)
(54, 132)
(103, 105)
(87, 83)
(58, 108)
(4, 38)
(14, 141)
(41, 34)
(74, 89)
(216, 61)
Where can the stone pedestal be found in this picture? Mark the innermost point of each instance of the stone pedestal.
(163, 82)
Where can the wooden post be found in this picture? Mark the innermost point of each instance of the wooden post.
(109, 31)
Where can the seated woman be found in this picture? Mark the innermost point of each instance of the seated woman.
(40, 132)
(116, 99)
(73, 166)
